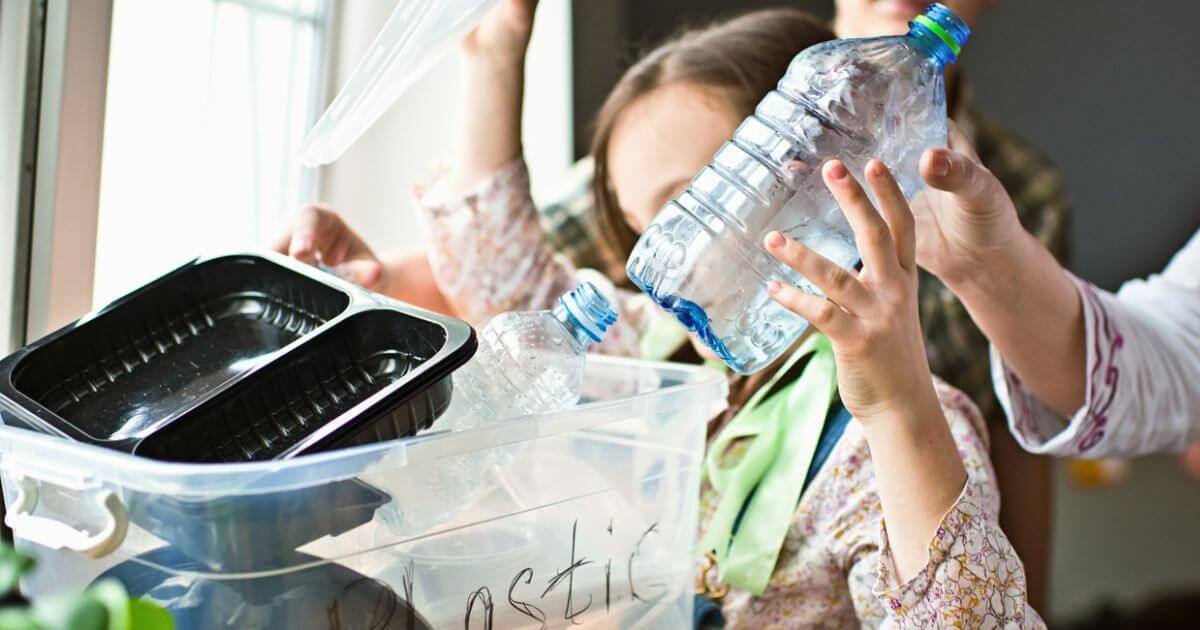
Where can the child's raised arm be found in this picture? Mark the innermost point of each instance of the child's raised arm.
(494, 82)
(487, 250)
(489, 138)
(885, 382)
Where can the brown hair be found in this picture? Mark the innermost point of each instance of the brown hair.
(739, 59)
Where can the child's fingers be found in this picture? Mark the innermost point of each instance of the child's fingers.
(870, 231)
(338, 251)
(314, 233)
(839, 284)
(282, 241)
(819, 311)
(894, 208)
(305, 230)
(365, 273)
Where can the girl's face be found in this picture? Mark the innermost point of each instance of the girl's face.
(660, 142)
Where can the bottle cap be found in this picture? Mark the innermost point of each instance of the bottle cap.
(946, 26)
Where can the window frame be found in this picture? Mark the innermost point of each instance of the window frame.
(22, 27)
(70, 131)
(54, 59)
(320, 74)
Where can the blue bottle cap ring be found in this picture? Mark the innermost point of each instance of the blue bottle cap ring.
(938, 30)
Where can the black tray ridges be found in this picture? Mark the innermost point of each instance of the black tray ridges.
(322, 380)
(279, 323)
(110, 377)
(238, 358)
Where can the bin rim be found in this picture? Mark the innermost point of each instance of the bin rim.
(51, 458)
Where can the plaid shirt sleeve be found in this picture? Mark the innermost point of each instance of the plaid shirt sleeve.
(569, 219)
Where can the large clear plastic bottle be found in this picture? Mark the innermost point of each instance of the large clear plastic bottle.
(702, 257)
(527, 363)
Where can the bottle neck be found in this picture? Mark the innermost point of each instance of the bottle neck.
(585, 313)
(573, 326)
(925, 41)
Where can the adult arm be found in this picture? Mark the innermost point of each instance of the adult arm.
(1080, 371)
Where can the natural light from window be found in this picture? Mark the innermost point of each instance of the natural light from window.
(207, 102)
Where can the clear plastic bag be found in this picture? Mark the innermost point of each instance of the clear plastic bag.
(415, 37)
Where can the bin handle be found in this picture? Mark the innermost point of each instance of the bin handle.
(54, 534)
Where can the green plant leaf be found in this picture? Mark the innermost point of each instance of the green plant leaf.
(104, 606)
(13, 564)
(129, 614)
(112, 594)
(144, 615)
(70, 611)
(16, 618)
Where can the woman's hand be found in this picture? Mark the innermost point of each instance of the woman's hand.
(966, 222)
(872, 319)
(503, 35)
(969, 236)
(317, 235)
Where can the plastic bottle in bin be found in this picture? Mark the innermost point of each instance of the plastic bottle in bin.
(530, 362)
(702, 257)
(527, 363)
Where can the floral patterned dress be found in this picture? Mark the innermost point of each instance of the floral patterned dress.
(489, 255)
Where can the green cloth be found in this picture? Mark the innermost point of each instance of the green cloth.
(783, 431)
(662, 337)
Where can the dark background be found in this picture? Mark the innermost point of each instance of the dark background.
(1109, 90)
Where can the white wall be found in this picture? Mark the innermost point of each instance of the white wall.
(372, 183)
(1115, 108)
(1125, 545)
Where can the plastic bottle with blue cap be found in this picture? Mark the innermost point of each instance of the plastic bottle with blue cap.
(528, 363)
(702, 258)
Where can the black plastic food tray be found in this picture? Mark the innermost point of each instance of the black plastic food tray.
(238, 358)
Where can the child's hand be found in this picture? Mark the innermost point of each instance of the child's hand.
(872, 319)
(319, 236)
(503, 35)
(883, 373)
(493, 96)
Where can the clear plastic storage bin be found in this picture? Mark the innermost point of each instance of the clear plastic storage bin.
(592, 523)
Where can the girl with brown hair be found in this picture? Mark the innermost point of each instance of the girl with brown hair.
(796, 492)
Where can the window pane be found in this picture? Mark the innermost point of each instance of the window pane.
(207, 102)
